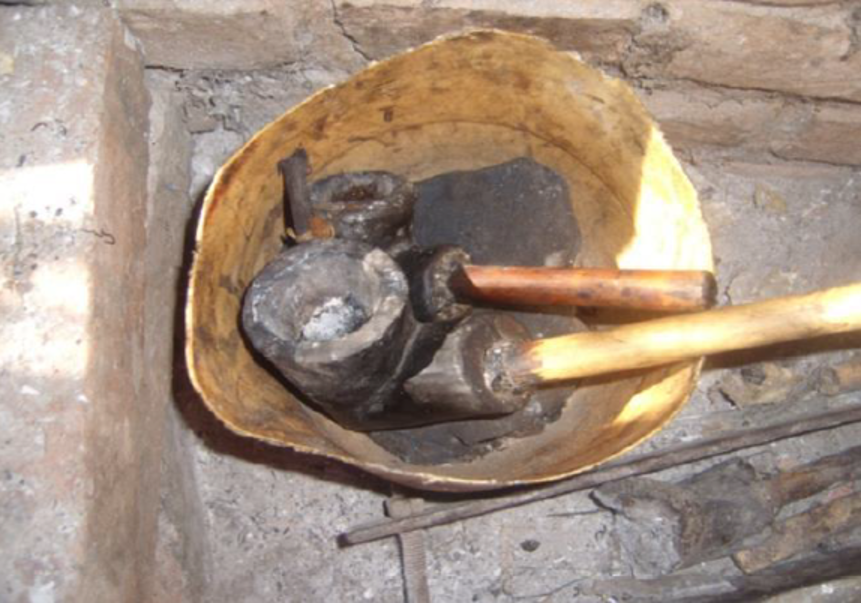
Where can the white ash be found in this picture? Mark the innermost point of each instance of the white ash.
(334, 318)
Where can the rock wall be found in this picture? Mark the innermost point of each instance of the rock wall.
(760, 78)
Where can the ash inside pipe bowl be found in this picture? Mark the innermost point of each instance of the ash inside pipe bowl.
(334, 318)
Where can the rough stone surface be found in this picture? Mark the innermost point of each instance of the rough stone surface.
(693, 115)
(840, 590)
(764, 383)
(808, 51)
(225, 108)
(750, 45)
(80, 443)
(182, 558)
(239, 34)
(180, 550)
(599, 30)
(734, 74)
(282, 546)
(779, 228)
(828, 133)
(753, 125)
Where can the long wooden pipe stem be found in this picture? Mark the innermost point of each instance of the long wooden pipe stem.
(677, 338)
(675, 290)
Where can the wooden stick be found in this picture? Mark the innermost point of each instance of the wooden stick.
(545, 286)
(673, 339)
(817, 566)
(714, 513)
(806, 480)
(645, 464)
(814, 569)
(804, 532)
(413, 551)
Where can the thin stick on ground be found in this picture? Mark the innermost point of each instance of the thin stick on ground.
(646, 464)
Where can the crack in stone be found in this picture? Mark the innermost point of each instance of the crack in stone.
(852, 22)
(354, 43)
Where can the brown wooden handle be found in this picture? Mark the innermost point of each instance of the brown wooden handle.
(672, 339)
(545, 286)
